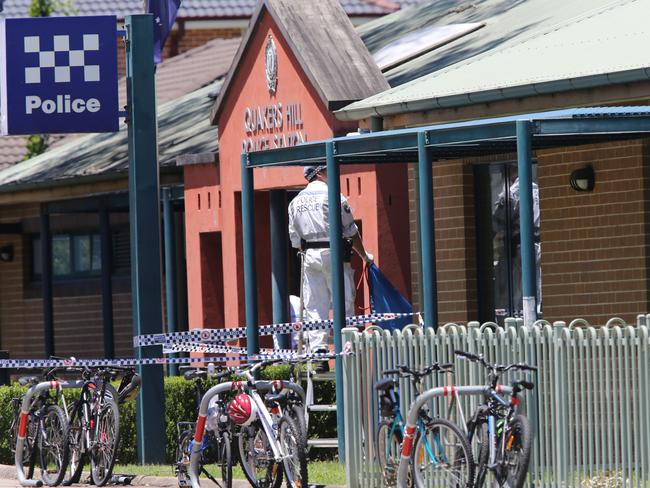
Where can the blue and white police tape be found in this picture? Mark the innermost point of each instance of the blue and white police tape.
(172, 347)
(226, 335)
(126, 362)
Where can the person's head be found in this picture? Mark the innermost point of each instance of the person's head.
(311, 173)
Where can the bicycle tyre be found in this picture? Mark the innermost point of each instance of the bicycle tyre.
(294, 445)
(256, 458)
(75, 447)
(452, 451)
(388, 447)
(29, 446)
(297, 412)
(225, 459)
(53, 453)
(106, 438)
(183, 458)
(480, 451)
(517, 451)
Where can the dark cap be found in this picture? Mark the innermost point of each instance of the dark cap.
(310, 172)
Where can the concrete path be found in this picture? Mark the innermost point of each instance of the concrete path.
(8, 480)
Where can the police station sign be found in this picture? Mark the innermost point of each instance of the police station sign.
(58, 75)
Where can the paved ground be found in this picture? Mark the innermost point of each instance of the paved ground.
(8, 480)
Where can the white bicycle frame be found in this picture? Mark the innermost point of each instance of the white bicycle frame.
(413, 415)
(28, 401)
(264, 415)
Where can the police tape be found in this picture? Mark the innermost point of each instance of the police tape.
(126, 362)
(226, 335)
(171, 348)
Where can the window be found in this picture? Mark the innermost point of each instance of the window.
(498, 241)
(73, 255)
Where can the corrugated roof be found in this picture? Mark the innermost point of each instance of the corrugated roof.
(337, 64)
(201, 8)
(507, 23)
(600, 44)
(183, 128)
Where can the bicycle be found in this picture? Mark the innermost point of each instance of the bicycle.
(442, 455)
(44, 433)
(502, 435)
(216, 445)
(94, 427)
(261, 450)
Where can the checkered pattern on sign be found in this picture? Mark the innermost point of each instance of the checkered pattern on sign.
(63, 71)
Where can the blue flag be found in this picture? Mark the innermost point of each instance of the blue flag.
(385, 298)
(164, 16)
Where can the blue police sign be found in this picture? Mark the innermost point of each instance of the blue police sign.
(59, 74)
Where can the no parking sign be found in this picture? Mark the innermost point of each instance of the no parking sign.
(58, 75)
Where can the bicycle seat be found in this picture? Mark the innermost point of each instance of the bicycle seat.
(386, 384)
(28, 380)
(195, 373)
(280, 398)
(130, 390)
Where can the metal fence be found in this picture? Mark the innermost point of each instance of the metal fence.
(590, 409)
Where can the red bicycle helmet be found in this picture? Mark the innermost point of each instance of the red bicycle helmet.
(242, 410)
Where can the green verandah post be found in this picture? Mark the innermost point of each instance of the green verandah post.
(144, 209)
(250, 266)
(338, 285)
(427, 233)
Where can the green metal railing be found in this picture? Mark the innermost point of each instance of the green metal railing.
(590, 408)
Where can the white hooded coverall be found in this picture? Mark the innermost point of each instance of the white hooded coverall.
(309, 220)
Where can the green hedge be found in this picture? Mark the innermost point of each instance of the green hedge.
(180, 405)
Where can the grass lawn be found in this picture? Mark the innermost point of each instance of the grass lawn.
(320, 472)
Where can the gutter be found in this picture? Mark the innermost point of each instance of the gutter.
(73, 181)
(474, 98)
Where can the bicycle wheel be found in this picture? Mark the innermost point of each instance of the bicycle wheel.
(52, 447)
(29, 446)
(389, 442)
(256, 458)
(105, 439)
(183, 458)
(225, 459)
(478, 433)
(297, 412)
(442, 457)
(294, 445)
(517, 451)
(75, 448)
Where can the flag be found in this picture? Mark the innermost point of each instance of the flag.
(164, 16)
(385, 298)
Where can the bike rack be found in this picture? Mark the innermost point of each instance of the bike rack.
(203, 414)
(26, 406)
(412, 419)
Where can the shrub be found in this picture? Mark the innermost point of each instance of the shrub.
(180, 405)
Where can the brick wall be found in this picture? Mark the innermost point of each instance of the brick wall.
(77, 320)
(595, 245)
(455, 241)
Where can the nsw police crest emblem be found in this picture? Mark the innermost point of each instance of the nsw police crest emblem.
(271, 65)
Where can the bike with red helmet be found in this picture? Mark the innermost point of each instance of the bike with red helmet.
(271, 441)
(216, 446)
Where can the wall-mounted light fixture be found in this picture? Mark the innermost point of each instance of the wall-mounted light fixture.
(7, 253)
(583, 179)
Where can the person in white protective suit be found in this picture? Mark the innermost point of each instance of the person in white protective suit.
(514, 212)
(309, 232)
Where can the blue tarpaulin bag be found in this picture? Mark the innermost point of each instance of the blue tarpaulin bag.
(385, 298)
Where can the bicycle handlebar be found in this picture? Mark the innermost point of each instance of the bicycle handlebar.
(405, 372)
(500, 368)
